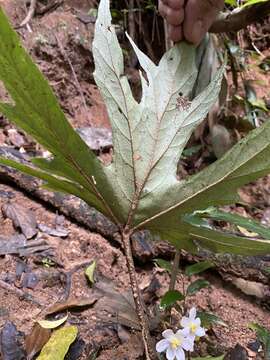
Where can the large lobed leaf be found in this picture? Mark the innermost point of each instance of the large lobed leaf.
(140, 188)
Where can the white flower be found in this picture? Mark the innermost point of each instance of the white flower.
(174, 343)
(193, 324)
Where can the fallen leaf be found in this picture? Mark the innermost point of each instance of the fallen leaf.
(30, 280)
(71, 303)
(237, 353)
(35, 341)
(76, 350)
(10, 343)
(12, 245)
(59, 343)
(90, 271)
(22, 219)
(120, 305)
(49, 324)
(58, 232)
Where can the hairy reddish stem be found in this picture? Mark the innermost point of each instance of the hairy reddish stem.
(139, 304)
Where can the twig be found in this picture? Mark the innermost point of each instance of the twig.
(24, 295)
(52, 5)
(68, 275)
(78, 86)
(140, 308)
(240, 18)
(30, 13)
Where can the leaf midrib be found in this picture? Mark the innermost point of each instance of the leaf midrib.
(173, 207)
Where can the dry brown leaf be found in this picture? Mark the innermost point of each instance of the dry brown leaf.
(35, 341)
(72, 303)
(22, 218)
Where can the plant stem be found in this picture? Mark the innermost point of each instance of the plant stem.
(175, 268)
(140, 308)
(174, 272)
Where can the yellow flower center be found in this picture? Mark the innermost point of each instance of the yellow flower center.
(193, 327)
(175, 343)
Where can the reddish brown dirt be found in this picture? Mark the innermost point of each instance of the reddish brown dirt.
(81, 245)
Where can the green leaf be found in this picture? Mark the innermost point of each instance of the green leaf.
(216, 185)
(249, 224)
(219, 242)
(164, 264)
(90, 272)
(209, 319)
(263, 336)
(197, 286)
(253, 2)
(140, 188)
(170, 298)
(36, 111)
(59, 343)
(198, 268)
(49, 324)
(150, 136)
(231, 2)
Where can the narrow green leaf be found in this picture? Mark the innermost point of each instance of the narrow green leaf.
(209, 319)
(52, 182)
(164, 264)
(52, 324)
(219, 242)
(198, 268)
(262, 333)
(170, 298)
(90, 272)
(253, 2)
(263, 336)
(249, 224)
(196, 286)
(59, 343)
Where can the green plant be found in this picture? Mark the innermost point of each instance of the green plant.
(139, 190)
(263, 335)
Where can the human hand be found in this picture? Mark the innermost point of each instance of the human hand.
(189, 20)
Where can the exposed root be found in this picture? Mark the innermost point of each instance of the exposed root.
(20, 293)
(30, 14)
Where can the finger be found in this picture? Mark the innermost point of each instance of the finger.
(199, 16)
(175, 33)
(162, 9)
(173, 17)
(175, 4)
